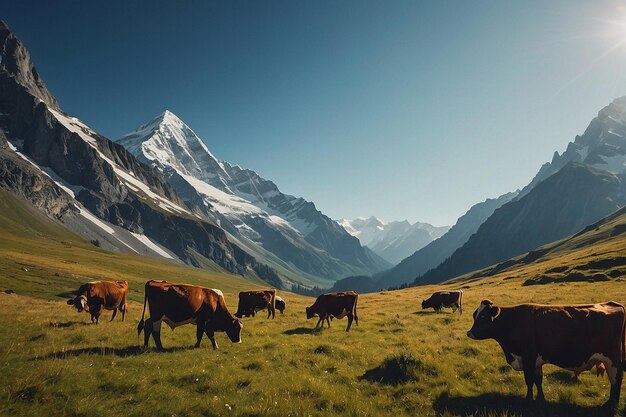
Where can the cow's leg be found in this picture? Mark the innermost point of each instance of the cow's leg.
(199, 332)
(327, 321)
(529, 376)
(350, 318)
(156, 334)
(211, 335)
(538, 382)
(114, 313)
(615, 372)
(455, 307)
(319, 321)
(271, 310)
(147, 332)
(123, 311)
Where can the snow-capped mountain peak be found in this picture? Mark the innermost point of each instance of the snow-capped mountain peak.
(287, 226)
(168, 142)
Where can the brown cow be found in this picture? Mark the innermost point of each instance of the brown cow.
(335, 305)
(251, 302)
(570, 337)
(179, 304)
(94, 297)
(448, 299)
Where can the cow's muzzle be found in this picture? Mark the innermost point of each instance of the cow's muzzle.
(471, 335)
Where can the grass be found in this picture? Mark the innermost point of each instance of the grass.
(54, 363)
(399, 361)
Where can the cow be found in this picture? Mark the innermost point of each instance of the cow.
(335, 305)
(95, 297)
(179, 304)
(575, 337)
(251, 302)
(448, 299)
(280, 305)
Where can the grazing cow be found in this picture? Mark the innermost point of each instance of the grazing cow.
(178, 304)
(280, 305)
(251, 302)
(570, 337)
(94, 297)
(448, 299)
(334, 305)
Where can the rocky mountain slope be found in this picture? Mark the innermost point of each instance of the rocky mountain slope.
(99, 180)
(392, 241)
(561, 205)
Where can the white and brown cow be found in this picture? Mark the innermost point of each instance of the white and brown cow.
(335, 305)
(179, 304)
(95, 297)
(448, 299)
(280, 305)
(251, 302)
(576, 337)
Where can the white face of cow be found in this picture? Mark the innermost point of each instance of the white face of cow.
(80, 303)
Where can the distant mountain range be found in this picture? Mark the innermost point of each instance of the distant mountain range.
(395, 240)
(168, 197)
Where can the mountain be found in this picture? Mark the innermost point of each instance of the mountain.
(94, 186)
(602, 146)
(596, 253)
(579, 187)
(438, 250)
(392, 241)
(561, 205)
(251, 208)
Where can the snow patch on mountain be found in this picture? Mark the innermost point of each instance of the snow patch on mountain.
(392, 241)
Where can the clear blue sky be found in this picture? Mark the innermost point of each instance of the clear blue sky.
(403, 110)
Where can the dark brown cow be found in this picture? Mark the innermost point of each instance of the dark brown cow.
(335, 305)
(280, 305)
(95, 297)
(570, 337)
(448, 299)
(179, 304)
(251, 302)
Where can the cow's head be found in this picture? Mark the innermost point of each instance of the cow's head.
(484, 321)
(79, 302)
(233, 330)
(310, 313)
(426, 304)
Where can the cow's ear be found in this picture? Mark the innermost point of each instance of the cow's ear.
(70, 302)
(495, 312)
(487, 302)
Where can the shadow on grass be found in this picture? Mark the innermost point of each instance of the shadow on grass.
(303, 330)
(66, 324)
(110, 351)
(511, 405)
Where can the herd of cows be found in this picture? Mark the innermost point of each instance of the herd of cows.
(577, 337)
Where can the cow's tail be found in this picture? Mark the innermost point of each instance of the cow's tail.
(356, 317)
(145, 300)
(461, 303)
(273, 299)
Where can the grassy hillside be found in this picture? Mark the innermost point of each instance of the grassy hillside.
(40, 257)
(400, 361)
(597, 253)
